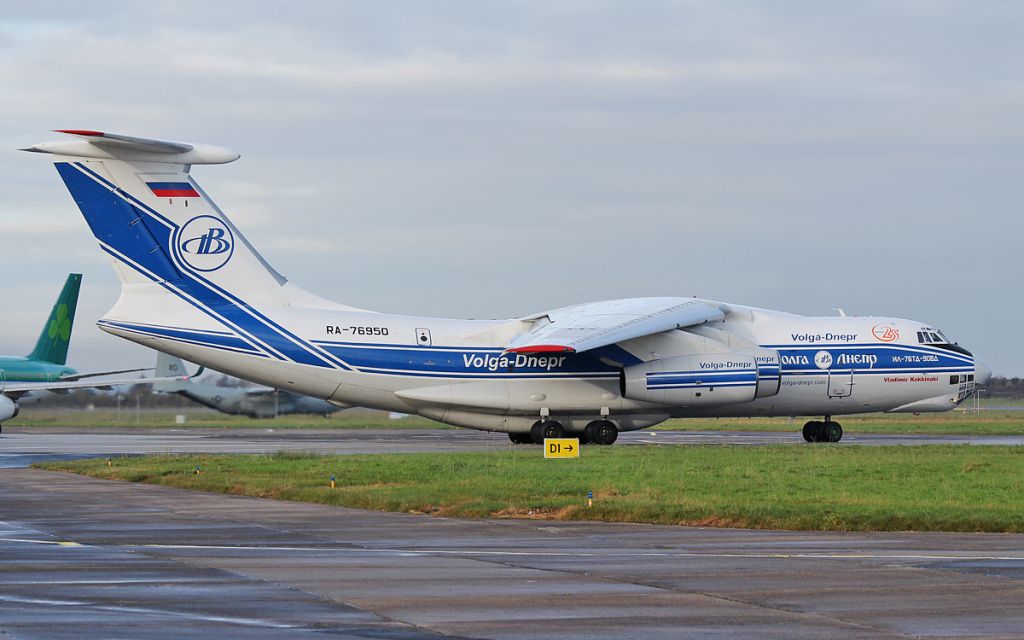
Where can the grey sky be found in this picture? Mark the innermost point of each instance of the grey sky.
(495, 159)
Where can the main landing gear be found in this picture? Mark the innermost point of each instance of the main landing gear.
(597, 432)
(827, 431)
(600, 432)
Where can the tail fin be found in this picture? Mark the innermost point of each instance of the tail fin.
(53, 342)
(168, 366)
(181, 261)
(154, 220)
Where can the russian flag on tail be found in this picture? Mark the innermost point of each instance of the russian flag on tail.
(173, 189)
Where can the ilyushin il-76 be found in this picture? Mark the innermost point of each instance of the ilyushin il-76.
(193, 286)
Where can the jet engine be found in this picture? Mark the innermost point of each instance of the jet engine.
(702, 379)
(8, 408)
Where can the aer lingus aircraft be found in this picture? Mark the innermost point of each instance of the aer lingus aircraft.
(193, 286)
(44, 369)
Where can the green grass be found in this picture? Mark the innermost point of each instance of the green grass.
(823, 487)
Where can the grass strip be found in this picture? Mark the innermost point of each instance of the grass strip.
(823, 487)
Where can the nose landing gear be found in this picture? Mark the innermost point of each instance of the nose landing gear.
(827, 431)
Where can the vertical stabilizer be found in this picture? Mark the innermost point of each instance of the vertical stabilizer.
(168, 366)
(53, 342)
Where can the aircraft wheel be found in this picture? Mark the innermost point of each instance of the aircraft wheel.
(584, 436)
(552, 429)
(519, 438)
(603, 432)
(832, 432)
(545, 429)
(810, 431)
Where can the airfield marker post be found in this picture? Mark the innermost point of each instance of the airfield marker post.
(590, 499)
(332, 480)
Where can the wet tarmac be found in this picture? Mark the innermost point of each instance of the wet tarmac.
(90, 558)
(118, 560)
(22, 446)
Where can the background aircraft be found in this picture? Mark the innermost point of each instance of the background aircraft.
(44, 369)
(193, 286)
(262, 402)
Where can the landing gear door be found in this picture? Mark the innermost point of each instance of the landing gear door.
(840, 383)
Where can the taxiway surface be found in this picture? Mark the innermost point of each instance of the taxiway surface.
(127, 561)
(21, 447)
(120, 560)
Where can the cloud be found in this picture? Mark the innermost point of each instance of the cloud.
(505, 158)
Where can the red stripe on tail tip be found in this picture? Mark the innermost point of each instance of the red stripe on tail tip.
(543, 348)
(80, 132)
(176, 193)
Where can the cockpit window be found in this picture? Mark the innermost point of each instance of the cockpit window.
(927, 335)
(932, 336)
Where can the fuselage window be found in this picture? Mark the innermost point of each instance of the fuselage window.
(954, 379)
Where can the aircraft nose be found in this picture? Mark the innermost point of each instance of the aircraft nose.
(982, 374)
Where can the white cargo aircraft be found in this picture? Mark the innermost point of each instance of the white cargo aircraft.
(193, 286)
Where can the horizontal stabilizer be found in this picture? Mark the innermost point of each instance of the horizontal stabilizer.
(102, 145)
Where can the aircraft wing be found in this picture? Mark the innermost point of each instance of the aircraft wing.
(597, 324)
(254, 392)
(17, 389)
(82, 376)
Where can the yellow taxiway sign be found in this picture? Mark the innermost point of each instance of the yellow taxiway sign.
(561, 448)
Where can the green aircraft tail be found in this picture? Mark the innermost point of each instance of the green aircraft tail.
(53, 342)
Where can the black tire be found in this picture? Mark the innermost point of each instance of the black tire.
(552, 429)
(605, 432)
(518, 438)
(820, 433)
(582, 435)
(833, 432)
(809, 431)
(537, 433)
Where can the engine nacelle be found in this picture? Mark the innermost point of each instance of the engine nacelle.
(769, 372)
(704, 379)
(8, 408)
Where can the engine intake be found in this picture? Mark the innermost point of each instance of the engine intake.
(8, 408)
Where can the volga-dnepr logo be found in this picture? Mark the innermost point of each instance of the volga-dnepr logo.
(205, 243)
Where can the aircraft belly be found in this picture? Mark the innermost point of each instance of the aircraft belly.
(520, 396)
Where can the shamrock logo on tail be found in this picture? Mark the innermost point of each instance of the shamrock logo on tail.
(60, 325)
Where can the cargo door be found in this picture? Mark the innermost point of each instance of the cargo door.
(840, 383)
